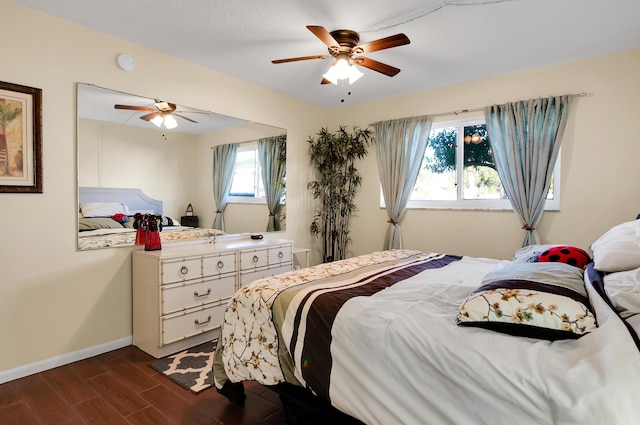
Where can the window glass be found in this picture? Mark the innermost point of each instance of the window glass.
(480, 178)
(458, 170)
(247, 180)
(437, 178)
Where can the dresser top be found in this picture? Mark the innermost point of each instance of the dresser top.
(204, 247)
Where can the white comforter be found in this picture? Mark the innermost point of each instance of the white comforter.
(398, 357)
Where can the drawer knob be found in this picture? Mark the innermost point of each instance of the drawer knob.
(196, 295)
(199, 323)
(184, 270)
(220, 264)
(280, 255)
(255, 258)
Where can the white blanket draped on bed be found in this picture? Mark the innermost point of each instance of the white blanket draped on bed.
(398, 357)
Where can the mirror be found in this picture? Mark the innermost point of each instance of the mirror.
(122, 148)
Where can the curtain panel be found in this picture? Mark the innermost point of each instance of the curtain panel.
(272, 157)
(224, 164)
(401, 145)
(525, 137)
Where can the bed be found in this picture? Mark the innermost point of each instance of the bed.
(102, 222)
(407, 337)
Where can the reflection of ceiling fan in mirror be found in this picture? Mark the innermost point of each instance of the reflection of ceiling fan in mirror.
(343, 46)
(161, 114)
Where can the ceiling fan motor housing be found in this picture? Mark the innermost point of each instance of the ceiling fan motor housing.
(347, 39)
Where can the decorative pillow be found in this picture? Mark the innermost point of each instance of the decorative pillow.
(623, 289)
(571, 255)
(97, 223)
(120, 218)
(536, 300)
(618, 249)
(103, 209)
(530, 253)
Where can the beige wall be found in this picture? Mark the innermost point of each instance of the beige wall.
(600, 154)
(55, 300)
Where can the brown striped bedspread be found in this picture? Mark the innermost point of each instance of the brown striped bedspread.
(376, 336)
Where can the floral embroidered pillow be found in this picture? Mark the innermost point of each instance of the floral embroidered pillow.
(536, 300)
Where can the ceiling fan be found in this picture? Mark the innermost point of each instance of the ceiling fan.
(343, 46)
(161, 114)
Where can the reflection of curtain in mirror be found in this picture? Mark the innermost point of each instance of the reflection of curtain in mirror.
(224, 163)
(272, 153)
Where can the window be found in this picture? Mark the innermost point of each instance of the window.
(246, 185)
(458, 170)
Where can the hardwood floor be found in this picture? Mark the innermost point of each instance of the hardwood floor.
(120, 388)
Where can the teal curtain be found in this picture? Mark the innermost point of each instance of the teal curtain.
(272, 154)
(525, 137)
(401, 145)
(224, 164)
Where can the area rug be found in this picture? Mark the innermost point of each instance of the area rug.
(192, 369)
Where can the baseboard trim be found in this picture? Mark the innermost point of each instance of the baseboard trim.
(63, 359)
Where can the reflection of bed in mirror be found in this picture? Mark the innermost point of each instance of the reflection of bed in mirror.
(98, 229)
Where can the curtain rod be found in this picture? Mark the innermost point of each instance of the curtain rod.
(464, 111)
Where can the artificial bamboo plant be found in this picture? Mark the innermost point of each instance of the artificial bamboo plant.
(333, 157)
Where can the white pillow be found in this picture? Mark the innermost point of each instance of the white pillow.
(618, 249)
(623, 289)
(103, 209)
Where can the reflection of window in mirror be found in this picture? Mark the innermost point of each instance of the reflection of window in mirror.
(247, 181)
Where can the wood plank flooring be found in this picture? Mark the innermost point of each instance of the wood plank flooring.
(120, 388)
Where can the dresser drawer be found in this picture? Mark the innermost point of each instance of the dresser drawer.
(280, 254)
(219, 264)
(192, 322)
(254, 258)
(196, 267)
(180, 270)
(247, 277)
(176, 297)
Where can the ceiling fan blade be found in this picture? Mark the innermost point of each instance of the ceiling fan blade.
(323, 35)
(301, 58)
(384, 43)
(325, 81)
(150, 116)
(184, 118)
(376, 66)
(133, 108)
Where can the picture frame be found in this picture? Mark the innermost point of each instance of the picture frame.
(20, 139)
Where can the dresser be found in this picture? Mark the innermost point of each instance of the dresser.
(180, 293)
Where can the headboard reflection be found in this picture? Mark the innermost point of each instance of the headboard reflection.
(135, 199)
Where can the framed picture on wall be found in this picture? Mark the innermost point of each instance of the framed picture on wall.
(20, 138)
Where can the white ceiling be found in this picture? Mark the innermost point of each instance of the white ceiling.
(451, 41)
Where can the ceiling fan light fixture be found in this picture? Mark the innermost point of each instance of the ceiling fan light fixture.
(342, 66)
(342, 69)
(170, 122)
(354, 74)
(331, 75)
(157, 120)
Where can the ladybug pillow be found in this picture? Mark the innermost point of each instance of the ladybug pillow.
(565, 254)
